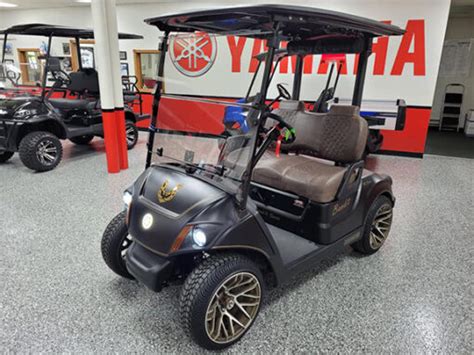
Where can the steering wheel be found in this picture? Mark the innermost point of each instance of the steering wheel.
(283, 92)
(13, 77)
(289, 133)
(62, 77)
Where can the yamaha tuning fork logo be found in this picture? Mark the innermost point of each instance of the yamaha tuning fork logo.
(193, 54)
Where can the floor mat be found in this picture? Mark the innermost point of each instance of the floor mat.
(452, 144)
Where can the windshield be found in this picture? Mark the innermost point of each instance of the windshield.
(210, 139)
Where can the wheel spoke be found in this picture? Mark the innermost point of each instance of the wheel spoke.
(242, 309)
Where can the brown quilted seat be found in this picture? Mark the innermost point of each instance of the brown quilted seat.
(338, 136)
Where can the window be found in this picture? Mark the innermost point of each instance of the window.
(30, 66)
(146, 67)
(87, 54)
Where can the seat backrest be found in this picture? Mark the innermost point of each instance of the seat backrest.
(54, 64)
(308, 127)
(84, 81)
(339, 135)
(344, 135)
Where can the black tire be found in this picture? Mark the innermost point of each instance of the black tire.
(30, 151)
(115, 241)
(200, 287)
(131, 133)
(81, 140)
(5, 156)
(382, 207)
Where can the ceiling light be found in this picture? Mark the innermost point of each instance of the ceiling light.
(7, 4)
(84, 1)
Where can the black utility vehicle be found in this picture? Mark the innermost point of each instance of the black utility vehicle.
(271, 201)
(33, 125)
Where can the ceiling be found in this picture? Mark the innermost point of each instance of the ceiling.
(30, 4)
(458, 7)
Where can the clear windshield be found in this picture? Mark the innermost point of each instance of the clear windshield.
(211, 139)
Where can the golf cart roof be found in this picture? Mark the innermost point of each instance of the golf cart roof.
(40, 29)
(297, 22)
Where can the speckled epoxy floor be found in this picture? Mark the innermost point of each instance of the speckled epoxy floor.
(56, 294)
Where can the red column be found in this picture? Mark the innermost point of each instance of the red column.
(121, 138)
(111, 141)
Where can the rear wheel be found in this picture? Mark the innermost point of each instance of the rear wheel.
(115, 243)
(131, 133)
(221, 299)
(40, 151)
(81, 140)
(377, 226)
(5, 156)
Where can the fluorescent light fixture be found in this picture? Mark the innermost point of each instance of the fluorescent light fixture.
(84, 1)
(7, 4)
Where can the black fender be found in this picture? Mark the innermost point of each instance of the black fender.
(251, 237)
(377, 185)
(130, 115)
(42, 123)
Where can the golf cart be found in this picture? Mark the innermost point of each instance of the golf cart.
(34, 124)
(231, 218)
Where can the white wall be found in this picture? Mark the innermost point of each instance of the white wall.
(459, 27)
(417, 90)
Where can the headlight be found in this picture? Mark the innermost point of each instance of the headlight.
(127, 199)
(147, 221)
(199, 237)
(195, 236)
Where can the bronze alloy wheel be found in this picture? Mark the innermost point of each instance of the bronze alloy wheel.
(380, 226)
(233, 307)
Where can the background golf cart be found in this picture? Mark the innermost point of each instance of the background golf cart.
(33, 124)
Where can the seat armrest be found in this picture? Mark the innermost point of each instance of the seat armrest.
(351, 180)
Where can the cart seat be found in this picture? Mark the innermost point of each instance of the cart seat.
(313, 178)
(130, 97)
(71, 104)
(337, 138)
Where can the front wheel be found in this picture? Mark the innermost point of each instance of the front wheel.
(131, 133)
(40, 151)
(82, 140)
(377, 226)
(5, 156)
(114, 245)
(221, 299)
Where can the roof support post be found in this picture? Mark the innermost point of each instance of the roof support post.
(46, 68)
(78, 51)
(156, 99)
(361, 72)
(4, 46)
(297, 79)
(104, 19)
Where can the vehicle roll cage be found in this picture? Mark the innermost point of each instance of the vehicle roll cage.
(307, 30)
(50, 31)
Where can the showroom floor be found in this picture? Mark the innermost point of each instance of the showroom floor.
(56, 294)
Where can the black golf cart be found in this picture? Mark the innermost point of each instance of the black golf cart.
(34, 124)
(257, 208)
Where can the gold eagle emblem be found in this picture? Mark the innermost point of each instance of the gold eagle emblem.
(165, 195)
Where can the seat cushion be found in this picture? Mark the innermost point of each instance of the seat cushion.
(70, 104)
(310, 177)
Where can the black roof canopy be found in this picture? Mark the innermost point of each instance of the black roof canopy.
(40, 29)
(297, 22)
